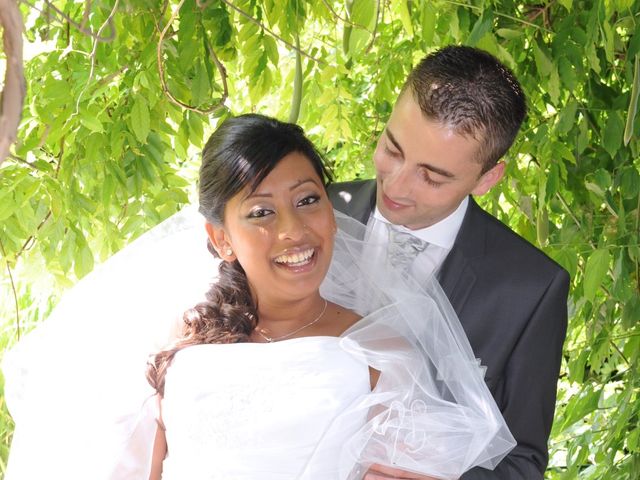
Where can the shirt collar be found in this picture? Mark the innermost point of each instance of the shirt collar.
(443, 234)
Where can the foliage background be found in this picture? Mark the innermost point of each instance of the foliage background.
(108, 148)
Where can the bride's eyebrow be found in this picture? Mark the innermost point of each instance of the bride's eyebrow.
(302, 182)
(291, 188)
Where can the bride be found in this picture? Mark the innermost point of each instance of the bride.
(305, 361)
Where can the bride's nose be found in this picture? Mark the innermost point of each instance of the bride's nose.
(290, 226)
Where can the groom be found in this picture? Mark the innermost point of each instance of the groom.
(457, 115)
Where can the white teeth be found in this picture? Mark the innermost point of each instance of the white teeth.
(295, 259)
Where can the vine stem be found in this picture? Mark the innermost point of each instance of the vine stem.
(93, 54)
(638, 236)
(626, 360)
(70, 21)
(573, 217)
(498, 14)
(13, 288)
(347, 21)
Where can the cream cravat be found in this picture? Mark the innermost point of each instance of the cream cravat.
(403, 248)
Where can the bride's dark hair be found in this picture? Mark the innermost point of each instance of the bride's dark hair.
(240, 153)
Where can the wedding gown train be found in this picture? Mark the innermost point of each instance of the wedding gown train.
(296, 409)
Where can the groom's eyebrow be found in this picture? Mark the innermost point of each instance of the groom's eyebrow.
(393, 140)
(428, 166)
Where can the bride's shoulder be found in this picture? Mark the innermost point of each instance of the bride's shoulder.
(342, 318)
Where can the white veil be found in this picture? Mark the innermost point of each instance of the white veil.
(75, 385)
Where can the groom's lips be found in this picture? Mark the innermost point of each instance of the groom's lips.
(391, 205)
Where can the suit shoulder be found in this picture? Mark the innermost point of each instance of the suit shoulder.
(355, 198)
(352, 186)
(503, 241)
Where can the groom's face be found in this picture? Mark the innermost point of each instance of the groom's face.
(424, 169)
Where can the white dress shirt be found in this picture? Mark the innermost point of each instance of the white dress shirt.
(440, 237)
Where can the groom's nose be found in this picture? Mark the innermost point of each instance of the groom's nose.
(399, 183)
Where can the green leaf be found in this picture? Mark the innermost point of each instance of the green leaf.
(509, 34)
(92, 123)
(554, 85)
(608, 41)
(363, 17)
(405, 16)
(612, 137)
(630, 183)
(631, 313)
(271, 47)
(140, 122)
(592, 57)
(358, 40)
(595, 272)
(633, 102)
(579, 407)
(567, 117)
(429, 17)
(363, 13)
(632, 440)
(567, 72)
(566, 4)
(83, 261)
(544, 65)
(553, 182)
(201, 86)
(481, 27)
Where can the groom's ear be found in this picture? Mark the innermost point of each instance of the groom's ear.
(488, 179)
(220, 241)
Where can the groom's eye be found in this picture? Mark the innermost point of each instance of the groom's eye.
(390, 151)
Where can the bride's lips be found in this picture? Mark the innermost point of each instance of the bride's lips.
(391, 205)
(297, 260)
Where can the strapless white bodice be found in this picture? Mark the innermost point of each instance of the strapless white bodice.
(258, 411)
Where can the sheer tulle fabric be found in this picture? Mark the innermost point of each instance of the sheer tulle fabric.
(76, 389)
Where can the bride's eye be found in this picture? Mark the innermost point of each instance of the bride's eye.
(259, 213)
(309, 200)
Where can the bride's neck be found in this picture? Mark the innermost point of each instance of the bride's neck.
(273, 312)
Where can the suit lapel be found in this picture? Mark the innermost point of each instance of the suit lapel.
(457, 276)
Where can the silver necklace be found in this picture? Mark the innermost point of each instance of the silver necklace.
(282, 337)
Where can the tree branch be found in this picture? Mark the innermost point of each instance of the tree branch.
(14, 83)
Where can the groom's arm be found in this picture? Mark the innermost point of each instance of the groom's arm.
(527, 400)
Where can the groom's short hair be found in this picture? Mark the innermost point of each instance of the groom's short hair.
(472, 92)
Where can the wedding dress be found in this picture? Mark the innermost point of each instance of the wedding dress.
(301, 408)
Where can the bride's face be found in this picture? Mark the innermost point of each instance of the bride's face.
(282, 233)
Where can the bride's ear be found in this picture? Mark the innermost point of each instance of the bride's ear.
(220, 241)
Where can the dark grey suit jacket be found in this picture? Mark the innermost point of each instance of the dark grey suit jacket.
(512, 302)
